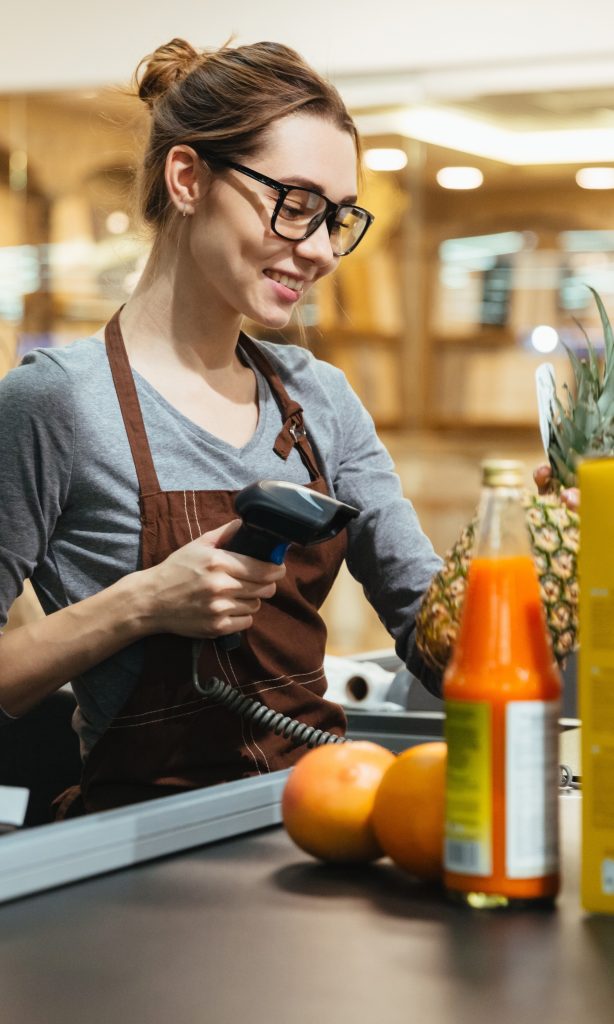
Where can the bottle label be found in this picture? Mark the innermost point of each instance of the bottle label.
(531, 788)
(468, 834)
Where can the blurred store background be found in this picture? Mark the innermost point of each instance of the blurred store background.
(489, 138)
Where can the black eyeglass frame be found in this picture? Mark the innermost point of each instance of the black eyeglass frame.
(329, 213)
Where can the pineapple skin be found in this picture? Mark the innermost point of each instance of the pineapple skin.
(555, 536)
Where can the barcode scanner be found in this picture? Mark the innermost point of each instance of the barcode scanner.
(275, 514)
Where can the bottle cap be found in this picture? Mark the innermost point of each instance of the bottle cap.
(502, 473)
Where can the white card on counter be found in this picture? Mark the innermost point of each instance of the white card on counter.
(13, 805)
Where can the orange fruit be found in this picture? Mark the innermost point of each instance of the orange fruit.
(328, 799)
(409, 810)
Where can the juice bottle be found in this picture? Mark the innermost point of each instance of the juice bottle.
(502, 695)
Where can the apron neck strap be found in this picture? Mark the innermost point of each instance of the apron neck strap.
(130, 407)
(293, 431)
(291, 434)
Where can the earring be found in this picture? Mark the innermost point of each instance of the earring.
(184, 210)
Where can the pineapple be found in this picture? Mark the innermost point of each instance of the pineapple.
(584, 424)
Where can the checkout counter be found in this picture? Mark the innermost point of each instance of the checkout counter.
(198, 908)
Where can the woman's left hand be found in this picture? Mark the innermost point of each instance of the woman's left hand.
(569, 495)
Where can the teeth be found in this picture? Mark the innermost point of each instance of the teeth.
(289, 282)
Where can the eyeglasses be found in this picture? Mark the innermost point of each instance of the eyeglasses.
(299, 212)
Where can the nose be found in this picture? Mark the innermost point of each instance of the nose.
(317, 247)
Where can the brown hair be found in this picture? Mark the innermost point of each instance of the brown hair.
(226, 100)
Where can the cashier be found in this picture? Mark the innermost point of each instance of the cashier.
(123, 451)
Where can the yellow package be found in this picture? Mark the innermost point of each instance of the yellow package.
(596, 681)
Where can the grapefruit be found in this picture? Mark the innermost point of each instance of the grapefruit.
(328, 799)
(409, 810)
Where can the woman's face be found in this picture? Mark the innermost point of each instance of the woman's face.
(237, 258)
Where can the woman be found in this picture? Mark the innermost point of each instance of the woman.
(118, 497)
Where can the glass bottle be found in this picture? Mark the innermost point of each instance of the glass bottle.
(502, 694)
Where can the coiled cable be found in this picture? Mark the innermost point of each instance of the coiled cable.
(255, 711)
(282, 725)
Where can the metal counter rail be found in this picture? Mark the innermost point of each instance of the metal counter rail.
(50, 855)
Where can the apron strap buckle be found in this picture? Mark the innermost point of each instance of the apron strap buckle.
(292, 432)
(297, 430)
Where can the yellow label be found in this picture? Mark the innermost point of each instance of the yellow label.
(468, 833)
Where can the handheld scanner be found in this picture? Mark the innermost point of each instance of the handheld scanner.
(276, 514)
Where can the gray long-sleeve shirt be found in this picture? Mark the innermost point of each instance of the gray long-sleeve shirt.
(69, 517)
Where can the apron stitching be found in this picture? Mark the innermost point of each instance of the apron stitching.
(289, 681)
(247, 746)
(156, 711)
(167, 718)
(251, 724)
(297, 678)
(205, 707)
(200, 532)
(185, 505)
(297, 675)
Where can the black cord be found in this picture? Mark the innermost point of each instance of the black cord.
(255, 711)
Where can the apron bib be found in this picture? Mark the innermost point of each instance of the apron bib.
(167, 738)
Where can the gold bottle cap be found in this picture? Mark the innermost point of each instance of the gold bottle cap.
(502, 473)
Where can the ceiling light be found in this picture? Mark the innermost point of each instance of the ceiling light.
(385, 159)
(595, 177)
(460, 177)
(441, 126)
(117, 222)
(544, 338)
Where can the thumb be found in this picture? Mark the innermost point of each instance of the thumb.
(219, 537)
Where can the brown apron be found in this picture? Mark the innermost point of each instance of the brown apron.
(167, 738)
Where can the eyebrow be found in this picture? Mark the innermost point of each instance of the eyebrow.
(296, 179)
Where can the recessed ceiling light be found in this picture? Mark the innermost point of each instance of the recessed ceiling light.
(385, 159)
(117, 222)
(544, 338)
(595, 177)
(460, 177)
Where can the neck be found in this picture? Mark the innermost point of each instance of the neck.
(171, 313)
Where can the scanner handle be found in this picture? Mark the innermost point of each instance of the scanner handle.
(257, 545)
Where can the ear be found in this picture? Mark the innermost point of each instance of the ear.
(186, 177)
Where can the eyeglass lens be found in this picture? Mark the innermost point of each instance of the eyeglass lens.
(302, 212)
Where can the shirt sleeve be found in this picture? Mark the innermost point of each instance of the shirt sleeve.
(388, 552)
(37, 444)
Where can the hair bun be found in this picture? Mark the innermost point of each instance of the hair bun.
(163, 68)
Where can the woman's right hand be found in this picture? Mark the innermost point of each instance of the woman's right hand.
(570, 495)
(203, 591)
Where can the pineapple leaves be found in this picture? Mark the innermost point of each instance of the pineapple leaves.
(585, 422)
(561, 469)
(608, 336)
(592, 359)
(581, 376)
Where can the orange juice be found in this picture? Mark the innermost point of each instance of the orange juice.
(502, 693)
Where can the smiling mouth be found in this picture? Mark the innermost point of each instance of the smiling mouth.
(289, 282)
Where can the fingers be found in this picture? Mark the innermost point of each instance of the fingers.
(251, 570)
(239, 567)
(223, 583)
(544, 479)
(222, 535)
(203, 590)
(223, 607)
(238, 624)
(571, 497)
